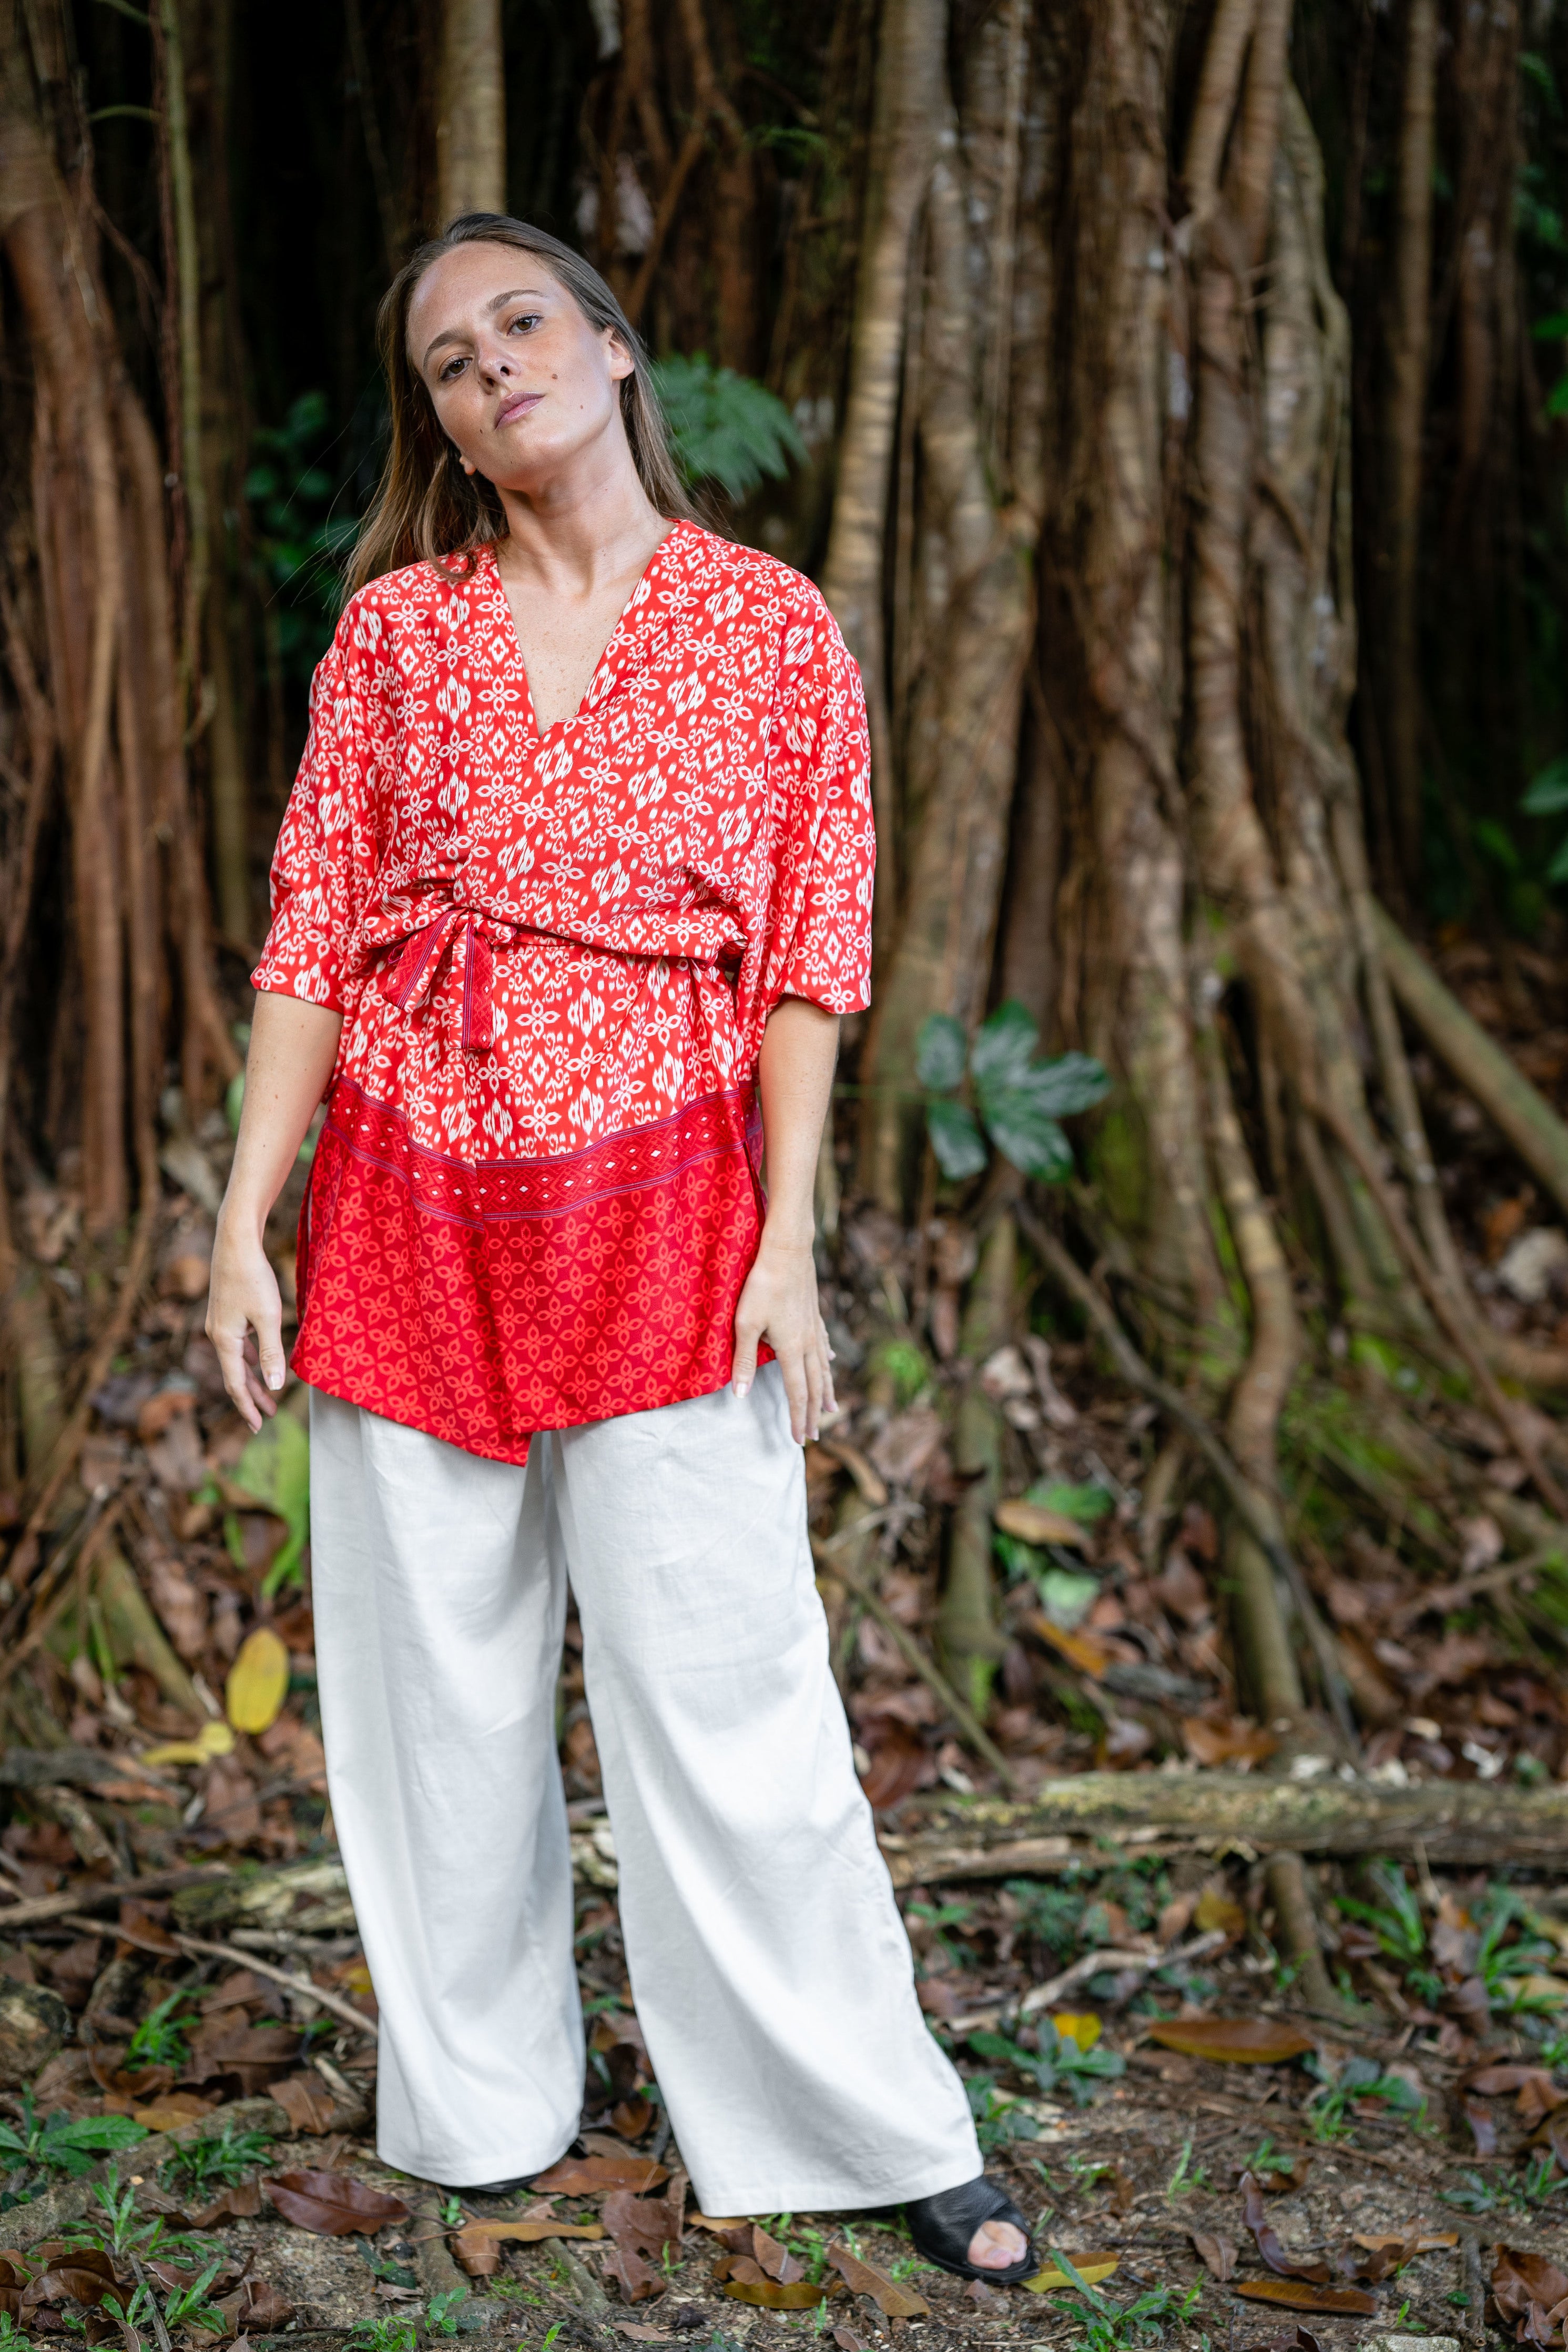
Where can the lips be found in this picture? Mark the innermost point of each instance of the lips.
(518, 405)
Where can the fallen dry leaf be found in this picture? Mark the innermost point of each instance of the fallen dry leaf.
(1232, 2040)
(1238, 1742)
(1419, 2241)
(332, 2203)
(1216, 1908)
(1526, 2288)
(240, 2203)
(892, 2299)
(586, 2175)
(1298, 2294)
(255, 2303)
(1266, 2239)
(306, 2101)
(1091, 2268)
(1217, 2256)
(1032, 1523)
(171, 2109)
(767, 2293)
(477, 2244)
(1089, 1656)
(258, 1681)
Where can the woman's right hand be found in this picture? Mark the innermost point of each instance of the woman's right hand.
(243, 1298)
(293, 1045)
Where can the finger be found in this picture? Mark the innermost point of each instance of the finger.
(744, 1369)
(260, 1391)
(815, 1385)
(230, 1348)
(792, 1364)
(830, 1394)
(269, 1328)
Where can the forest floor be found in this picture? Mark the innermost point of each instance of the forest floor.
(1397, 2169)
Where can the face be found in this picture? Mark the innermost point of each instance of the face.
(522, 384)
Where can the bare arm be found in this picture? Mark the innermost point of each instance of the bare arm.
(779, 1303)
(293, 1046)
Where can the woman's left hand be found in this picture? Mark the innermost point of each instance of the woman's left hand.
(779, 1304)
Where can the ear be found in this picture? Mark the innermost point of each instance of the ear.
(621, 363)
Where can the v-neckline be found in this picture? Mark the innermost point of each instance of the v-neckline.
(634, 602)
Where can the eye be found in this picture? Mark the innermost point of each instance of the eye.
(447, 373)
(524, 318)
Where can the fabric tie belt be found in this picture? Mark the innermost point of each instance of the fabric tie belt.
(409, 981)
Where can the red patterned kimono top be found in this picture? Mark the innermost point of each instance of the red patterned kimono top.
(535, 1200)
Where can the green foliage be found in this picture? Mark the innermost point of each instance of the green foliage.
(1358, 2078)
(726, 427)
(217, 2160)
(1109, 2326)
(300, 542)
(58, 2144)
(1018, 1102)
(276, 1469)
(1500, 1963)
(392, 2334)
(905, 1366)
(998, 2118)
(11, 2336)
(1397, 1923)
(123, 2231)
(1548, 794)
(1059, 2063)
(160, 2038)
(443, 2317)
(1066, 1592)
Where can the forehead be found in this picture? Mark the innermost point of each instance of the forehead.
(464, 281)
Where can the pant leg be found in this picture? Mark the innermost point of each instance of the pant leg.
(770, 1968)
(440, 1598)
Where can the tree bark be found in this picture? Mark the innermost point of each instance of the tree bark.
(471, 117)
(1404, 415)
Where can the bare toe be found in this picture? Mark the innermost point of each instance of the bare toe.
(997, 2246)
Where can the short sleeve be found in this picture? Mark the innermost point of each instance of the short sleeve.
(820, 775)
(323, 862)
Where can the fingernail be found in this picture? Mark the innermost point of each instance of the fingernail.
(741, 1388)
(274, 1380)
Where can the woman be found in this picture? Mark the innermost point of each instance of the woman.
(574, 883)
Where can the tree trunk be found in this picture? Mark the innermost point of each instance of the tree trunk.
(471, 118)
(1404, 415)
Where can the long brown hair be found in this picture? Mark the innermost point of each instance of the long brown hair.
(425, 507)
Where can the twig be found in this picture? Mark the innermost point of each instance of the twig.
(258, 1967)
(159, 2328)
(969, 1723)
(1171, 1401)
(34, 1909)
(89, 1543)
(1093, 1964)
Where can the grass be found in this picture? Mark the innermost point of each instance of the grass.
(1112, 2326)
(58, 2144)
(160, 2038)
(215, 2161)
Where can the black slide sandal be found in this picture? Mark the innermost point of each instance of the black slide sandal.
(943, 2225)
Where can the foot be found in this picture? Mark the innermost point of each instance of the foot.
(997, 2246)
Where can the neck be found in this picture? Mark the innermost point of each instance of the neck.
(590, 521)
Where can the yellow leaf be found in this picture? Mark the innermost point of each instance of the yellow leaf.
(1549, 1992)
(1234, 2041)
(1091, 1657)
(258, 1681)
(1217, 1909)
(356, 1980)
(1033, 1524)
(1091, 2269)
(212, 1740)
(1084, 2031)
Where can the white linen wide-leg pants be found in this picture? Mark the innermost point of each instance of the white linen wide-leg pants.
(768, 1965)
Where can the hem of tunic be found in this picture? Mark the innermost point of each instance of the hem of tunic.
(483, 1302)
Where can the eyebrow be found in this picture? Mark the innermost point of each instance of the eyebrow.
(498, 302)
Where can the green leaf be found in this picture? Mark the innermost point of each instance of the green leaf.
(1490, 836)
(1022, 1133)
(1557, 398)
(955, 1138)
(1004, 1046)
(100, 2133)
(1551, 330)
(939, 1051)
(726, 427)
(1558, 869)
(1073, 1082)
(1548, 793)
(275, 1468)
(1086, 1504)
(1067, 1599)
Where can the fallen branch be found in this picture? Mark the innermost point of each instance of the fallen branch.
(1482, 1069)
(35, 1908)
(1099, 1962)
(258, 1967)
(1453, 1821)
(835, 1563)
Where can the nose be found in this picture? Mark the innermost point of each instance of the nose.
(497, 365)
